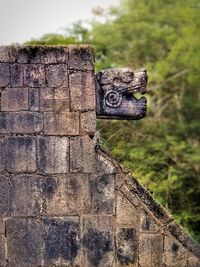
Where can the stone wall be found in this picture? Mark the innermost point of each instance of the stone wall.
(64, 201)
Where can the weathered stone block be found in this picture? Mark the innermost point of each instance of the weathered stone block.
(193, 262)
(151, 250)
(62, 242)
(3, 123)
(82, 91)
(98, 243)
(2, 226)
(126, 213)
(2, 154)
(54, 99)
(24, 241)
(147, 223)
(23, 122)
(4, 196)
(17, 75)
(81, 57)
(57, 75)
(126, 247)
(129, 195)
(34, 75)
(62, 123)
(33, 99)
(82, 155)
(105, 166)
(53, 154)
(6, 54)
(67, 195)
(4, 74)
(26, 195)
(103, 194)
(14, 99)
(54, 55)
(20, 153)
(2, 251)
(88, 122)
(174, 253)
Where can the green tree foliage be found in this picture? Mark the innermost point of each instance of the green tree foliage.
(162, 150)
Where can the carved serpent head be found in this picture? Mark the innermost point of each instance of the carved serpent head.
(115, 93)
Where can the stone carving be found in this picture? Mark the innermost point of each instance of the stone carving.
(115, 93)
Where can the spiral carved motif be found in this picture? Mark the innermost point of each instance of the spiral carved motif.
(113, 99)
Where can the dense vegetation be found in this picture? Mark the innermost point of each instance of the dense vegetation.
(163, 149)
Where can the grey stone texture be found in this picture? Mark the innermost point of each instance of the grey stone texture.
(67, 195)
(14, 99)
(62, 123)
(4, 196)
(20, 154)
(82, 155)
(21, 122)
(54, 99)
(4, 74)
(53, 154)
(65, 201)
(24, 242)
(17, 75)
(26, 195)
(33, 99)
(34, 75)
(82, 90)
(57, 75)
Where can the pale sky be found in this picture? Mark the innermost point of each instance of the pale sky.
(21, 20)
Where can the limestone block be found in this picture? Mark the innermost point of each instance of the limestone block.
(4, 196)
(126, 213)
(14, 99)
(98, 243)
(54, 55)
(17, 75)
(174, 253)
(81, 57)
(2, 226)
(126, 247)
(193, 262)
(62, 242)
(34, 75)
(20, 153)
(82, 155)
(4, 74)
(62, 123)
(2, 251)
(67, 194)
(26, 195)
(82, 90)
(24, 242)
(54, 99)
(53, 154)
(57, 75)
(2, 155)
(103, 194)
(88, 122)
(151, 250)
(105, 166)
(129, 195)
(22, 122)
(7, 54)
(33, 99)
(147, 223)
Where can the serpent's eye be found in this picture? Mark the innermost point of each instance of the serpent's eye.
(117, 81)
